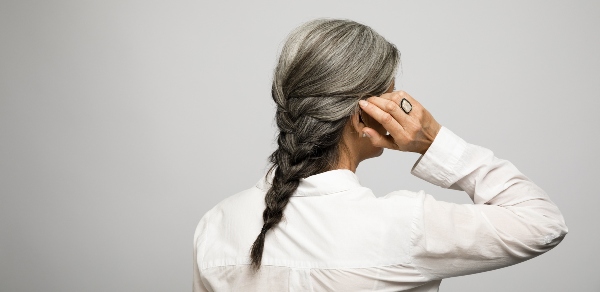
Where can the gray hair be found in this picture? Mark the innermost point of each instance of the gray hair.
(325, 67)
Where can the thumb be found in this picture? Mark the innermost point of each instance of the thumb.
(378, 140)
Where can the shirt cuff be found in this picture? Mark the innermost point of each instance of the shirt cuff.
(438, 164)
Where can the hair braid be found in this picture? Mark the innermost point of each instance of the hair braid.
(292, 161)
(325, 67)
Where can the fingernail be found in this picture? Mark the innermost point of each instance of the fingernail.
(365, 134)
(363, 103)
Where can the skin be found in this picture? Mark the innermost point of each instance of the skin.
(413, 132)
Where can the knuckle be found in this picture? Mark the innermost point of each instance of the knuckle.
(418, 114)
(386, 118)
(390, 106)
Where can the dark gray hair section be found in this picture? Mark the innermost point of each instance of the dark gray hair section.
(325, 67)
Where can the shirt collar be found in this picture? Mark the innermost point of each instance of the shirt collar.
(325, 183)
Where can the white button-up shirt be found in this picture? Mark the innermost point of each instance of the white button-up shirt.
(336, 235)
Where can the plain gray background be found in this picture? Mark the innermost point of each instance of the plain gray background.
(123, 122)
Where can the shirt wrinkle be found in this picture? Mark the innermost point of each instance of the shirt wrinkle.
(338, 236)
(413, 227)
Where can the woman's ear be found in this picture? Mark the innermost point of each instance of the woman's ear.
(356, 123)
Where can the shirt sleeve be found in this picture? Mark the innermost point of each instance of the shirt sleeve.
(512, 219)
(199, 238)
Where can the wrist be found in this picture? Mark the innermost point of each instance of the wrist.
(430, 134)
(443, 157)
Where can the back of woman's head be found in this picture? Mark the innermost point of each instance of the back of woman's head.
(326, 66)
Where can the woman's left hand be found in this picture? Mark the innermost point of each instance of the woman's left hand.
(412, 132)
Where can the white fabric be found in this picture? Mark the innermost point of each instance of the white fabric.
(338, 236)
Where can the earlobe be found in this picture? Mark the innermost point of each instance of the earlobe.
(357, 123)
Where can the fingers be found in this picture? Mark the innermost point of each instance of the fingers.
(386, 112)
(380, 141)
(411, 132)
(393, 96)
(397, 97)
(391, 106)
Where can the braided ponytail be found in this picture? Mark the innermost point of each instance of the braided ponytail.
(325, 67)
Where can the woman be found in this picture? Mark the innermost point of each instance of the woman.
(320, 230)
